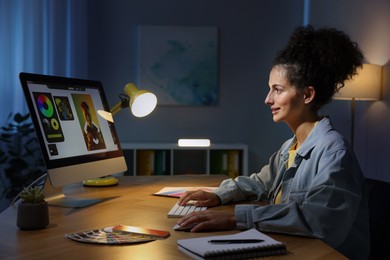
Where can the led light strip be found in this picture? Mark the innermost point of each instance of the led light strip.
(194, 142)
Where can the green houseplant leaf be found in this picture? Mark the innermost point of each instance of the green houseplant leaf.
(20, 154)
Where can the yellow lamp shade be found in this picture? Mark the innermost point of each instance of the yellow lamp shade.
(142, 102)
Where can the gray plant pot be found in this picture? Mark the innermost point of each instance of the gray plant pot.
(32, 216)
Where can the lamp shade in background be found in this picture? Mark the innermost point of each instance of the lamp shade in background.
(366, 85)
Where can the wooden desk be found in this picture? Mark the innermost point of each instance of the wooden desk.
(132, 204)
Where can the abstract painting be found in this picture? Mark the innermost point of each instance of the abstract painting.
(179, 64)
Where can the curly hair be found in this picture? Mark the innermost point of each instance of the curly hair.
(322, 58)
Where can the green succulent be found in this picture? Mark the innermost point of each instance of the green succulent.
(32, 195)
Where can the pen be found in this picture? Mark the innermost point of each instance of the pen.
(235, 241)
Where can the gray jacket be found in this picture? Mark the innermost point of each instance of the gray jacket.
(323, 193)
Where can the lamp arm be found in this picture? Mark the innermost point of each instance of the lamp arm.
(115, 109)
(121, 104)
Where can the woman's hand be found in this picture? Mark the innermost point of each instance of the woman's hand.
(202, 198)
(209, 220)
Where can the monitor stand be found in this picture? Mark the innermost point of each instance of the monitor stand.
(55, 197)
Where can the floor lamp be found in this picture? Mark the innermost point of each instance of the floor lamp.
(366, 85)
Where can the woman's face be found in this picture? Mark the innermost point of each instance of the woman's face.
(286, 102)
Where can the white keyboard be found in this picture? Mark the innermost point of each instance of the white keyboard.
(178, 211)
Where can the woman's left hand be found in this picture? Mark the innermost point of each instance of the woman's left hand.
(209, 220)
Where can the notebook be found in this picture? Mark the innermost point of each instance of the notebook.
(201, 247)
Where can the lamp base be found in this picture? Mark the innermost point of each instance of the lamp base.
(101, 182)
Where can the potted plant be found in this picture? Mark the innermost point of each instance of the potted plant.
(33, 211)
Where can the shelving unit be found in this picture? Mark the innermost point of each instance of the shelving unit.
(170, 159)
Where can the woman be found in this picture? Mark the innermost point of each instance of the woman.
(313, 183)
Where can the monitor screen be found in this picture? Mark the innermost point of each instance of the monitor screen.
(77, 144)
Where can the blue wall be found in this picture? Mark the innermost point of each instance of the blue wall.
(250, 33)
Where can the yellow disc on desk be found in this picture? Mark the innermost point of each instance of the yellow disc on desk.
(101, 182)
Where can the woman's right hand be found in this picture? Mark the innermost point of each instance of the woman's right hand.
(202, 198)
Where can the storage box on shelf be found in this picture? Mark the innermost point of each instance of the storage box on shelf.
(170, 159)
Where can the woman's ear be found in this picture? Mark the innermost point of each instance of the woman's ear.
(309, 94)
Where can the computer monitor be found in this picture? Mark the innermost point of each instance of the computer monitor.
(76, 143)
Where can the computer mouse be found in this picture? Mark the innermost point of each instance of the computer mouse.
(177, 227)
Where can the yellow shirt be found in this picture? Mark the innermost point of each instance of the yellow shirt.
(291, 156)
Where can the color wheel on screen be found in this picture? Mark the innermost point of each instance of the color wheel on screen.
(48, 116)
(45, 106)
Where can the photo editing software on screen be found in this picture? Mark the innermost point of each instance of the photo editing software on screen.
(69, 122)
(77, 144)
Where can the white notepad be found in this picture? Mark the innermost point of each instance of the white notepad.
(202, 248)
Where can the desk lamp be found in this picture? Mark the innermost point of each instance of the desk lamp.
(366, 85)
(141, 103)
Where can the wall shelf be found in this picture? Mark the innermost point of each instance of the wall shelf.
(170, 159)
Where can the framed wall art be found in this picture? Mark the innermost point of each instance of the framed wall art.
(179, 64)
